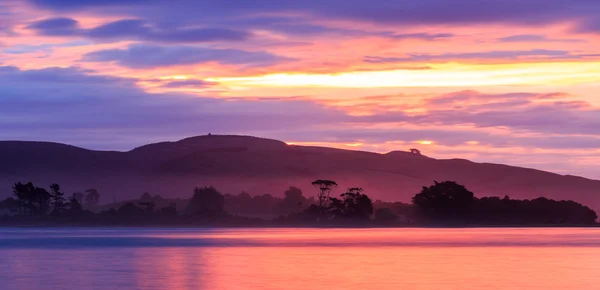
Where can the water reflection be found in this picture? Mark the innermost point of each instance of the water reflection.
(302, 259)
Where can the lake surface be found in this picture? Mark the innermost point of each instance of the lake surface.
(497, 258)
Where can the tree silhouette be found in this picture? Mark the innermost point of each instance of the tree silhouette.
(444, 199)
(59, 203)
(352, 205)
(324, 189)
(206, 202)
(358, 204)
(293, 200)
(24, 195)
(32, 200)
(42, 201)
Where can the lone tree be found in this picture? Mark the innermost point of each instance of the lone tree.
(324, 189)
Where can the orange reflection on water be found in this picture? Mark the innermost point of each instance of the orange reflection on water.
(400, 259)
(295, 259)
(404, 268)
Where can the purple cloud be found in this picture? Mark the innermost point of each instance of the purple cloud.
(57, 96)
(5, 29)
(142, 30)
(518, 111)
(26, 48)
(188, 84)
(121, 28)
(56, 75)
(423, 36)
(75, 4)
(116, 109)
(56, 27)
(533, 12)
(148, 56)
(533, 38)
(591, 25)
(113, 113)
(523, 38)
(135, 29)
(138, 29)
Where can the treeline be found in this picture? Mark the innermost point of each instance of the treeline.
(443, 203)
(450, 202)
(30, 200)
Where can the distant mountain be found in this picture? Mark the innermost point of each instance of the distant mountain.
(255, 165)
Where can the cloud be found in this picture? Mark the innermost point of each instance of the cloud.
(486, 55)
(75, 4)
(5, 29)
(533, 38)
(589, 26)
(423, 36)
(113, 113)
(553, 118)
(425, 12)
(8, 19)
(142, 30)
(188, 84)
(132, 117)
(135, 29)
(149, 56)
(27, 48)
(56, 27)
(470, 98)
(546, 114)
(43, 104)
(59, 76)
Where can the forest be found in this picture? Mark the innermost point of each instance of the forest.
(440, 204)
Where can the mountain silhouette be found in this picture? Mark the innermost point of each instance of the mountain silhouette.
(256, 165)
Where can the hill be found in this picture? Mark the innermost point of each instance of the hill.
(255, 165)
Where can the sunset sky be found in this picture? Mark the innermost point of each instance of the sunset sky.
(502, 81)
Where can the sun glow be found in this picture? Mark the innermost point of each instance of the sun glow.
(178, 77)
(445, 75)
(425, 142)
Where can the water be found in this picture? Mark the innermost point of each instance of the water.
(523, 258)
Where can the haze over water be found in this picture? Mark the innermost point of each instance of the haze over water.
(499, 258)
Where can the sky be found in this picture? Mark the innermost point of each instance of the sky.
(501, 81)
